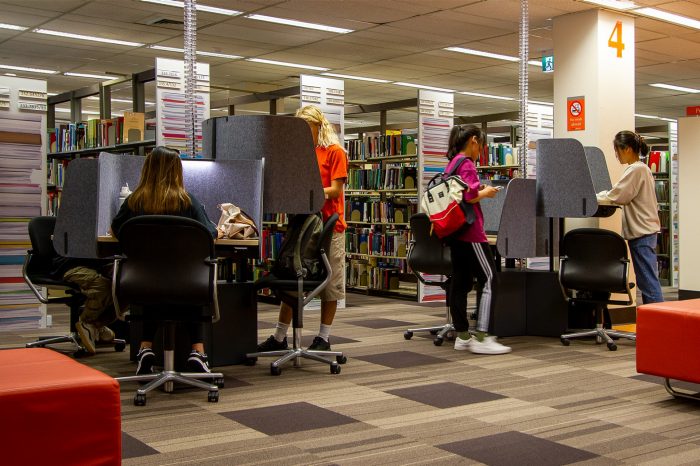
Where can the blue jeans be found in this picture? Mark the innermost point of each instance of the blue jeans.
(643, 250)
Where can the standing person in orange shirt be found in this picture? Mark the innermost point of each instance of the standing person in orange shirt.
(333, 164)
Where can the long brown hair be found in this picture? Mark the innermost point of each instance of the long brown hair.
(161, 189)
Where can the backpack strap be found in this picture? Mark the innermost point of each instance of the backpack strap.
(456, 167)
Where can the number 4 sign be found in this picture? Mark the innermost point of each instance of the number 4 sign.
(617, 43)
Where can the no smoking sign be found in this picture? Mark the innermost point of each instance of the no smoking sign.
(576, 114)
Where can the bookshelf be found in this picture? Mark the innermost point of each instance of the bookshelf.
(659, 161)
(380, 196)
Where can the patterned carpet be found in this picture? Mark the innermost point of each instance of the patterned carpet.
(411, 402)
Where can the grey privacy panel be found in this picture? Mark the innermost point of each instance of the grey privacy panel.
(492, 207)
(564, 184)
(292, 182)
(598, 168)
(115, 170)
(75, 234)
(236, 181)
(517, 228)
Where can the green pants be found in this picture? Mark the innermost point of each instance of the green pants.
(97, 289)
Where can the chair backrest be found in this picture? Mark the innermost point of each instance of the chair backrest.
(166, 262)
(327, 234)
(594, 259)
(40, 266)
(427, 254)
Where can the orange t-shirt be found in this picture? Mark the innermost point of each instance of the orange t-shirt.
(333, 164)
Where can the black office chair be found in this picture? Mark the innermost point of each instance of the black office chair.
(38, 271)
(428, 254)
(167, 261)
(594, 265)
(297, 294)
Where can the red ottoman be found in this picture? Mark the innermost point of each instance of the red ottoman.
(55, 410)
(668, 341)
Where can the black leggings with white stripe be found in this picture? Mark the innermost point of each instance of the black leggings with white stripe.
(471, 260)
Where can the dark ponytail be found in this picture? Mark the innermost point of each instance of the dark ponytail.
(460, 136)
(634, 141)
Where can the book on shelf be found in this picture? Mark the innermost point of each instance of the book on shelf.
(498, 155)
(375, 145)
(658, 161)
(134, 126)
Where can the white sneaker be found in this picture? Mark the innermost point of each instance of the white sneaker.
(463, 345)
(488, 346)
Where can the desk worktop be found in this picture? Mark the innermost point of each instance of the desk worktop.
(217, 242)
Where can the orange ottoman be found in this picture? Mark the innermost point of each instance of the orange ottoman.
(55, 410)
(668, 341)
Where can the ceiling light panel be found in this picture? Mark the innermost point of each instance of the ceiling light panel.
(70, 35)
(13, 27)
(30, 70)
(488, 96)
(668, 17)
(87, 75)
(421, 86)
(287, 64)
(358, 78)
(671, 87)
(300, 24)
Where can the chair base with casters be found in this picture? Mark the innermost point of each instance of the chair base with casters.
(296, 353)
(297, 294)
(74, 300)
(169, 375)
(594, 265)
(441, 332)
(600, 333)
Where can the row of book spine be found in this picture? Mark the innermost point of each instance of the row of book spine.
(498, 154)
(378, 211)
(380, 146)
(96, 133)
(376, 242)
(389, 177)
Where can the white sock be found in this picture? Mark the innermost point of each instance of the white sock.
(324, 332)
(281, 331)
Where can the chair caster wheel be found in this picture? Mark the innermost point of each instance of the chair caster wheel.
(407, 335)
(612, 346)
(335, 368)
(274, 370)
(219, 382)
(438, 341)
(119, 347)
(433, 332)
(564, 341)
(139, 400)
(250, 361)
(213, 396)
(341, 359)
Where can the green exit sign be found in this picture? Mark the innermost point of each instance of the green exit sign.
(548, 64)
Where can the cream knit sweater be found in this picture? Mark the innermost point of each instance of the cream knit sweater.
(636, 193)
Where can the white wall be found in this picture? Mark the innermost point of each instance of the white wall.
(688, 197)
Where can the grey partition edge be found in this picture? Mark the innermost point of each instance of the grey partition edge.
(564, 183)
(239, 182)
(517, 227)
(75, 234)
(292, 182)
(598, 168)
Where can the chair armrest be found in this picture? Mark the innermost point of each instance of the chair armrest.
(42, 299)
(327, 265)
(115, 276)
(214, 263)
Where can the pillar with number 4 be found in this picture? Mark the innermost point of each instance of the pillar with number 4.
(594, 86)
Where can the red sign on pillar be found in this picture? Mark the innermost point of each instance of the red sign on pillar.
(576, 113)
(692, 111)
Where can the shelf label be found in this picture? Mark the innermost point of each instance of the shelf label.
(32, 106)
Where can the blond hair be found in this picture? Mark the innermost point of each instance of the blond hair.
(161, 189)
(326, 133)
